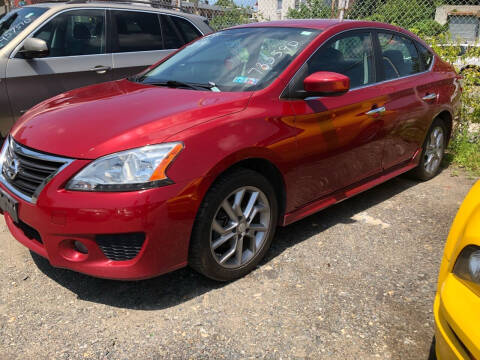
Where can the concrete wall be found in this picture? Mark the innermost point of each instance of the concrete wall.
(442, 12)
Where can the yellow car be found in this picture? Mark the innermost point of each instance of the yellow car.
(457, 302)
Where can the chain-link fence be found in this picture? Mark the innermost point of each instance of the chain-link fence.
(459, 18)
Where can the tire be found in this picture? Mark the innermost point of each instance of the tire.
(249, 236)
(432, 155)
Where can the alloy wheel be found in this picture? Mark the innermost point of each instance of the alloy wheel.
(240, 227)
(434, 150)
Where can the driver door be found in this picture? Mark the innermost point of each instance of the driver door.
(77, 44)
(341, 140)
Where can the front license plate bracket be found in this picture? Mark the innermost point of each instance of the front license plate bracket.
(9, 205)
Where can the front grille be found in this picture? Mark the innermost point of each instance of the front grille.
(27, 170)
(120, 247)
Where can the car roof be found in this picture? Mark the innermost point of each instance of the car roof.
(60, 5)
(321, 24)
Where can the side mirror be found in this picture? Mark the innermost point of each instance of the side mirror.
(325, 83)
(34, 48)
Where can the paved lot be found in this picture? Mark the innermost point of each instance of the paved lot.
(354, 281)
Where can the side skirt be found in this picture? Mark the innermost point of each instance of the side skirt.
(350, 191)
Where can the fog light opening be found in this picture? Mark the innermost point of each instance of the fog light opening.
(80, 247)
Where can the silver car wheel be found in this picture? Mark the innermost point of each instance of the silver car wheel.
(434, 150)
(240, 227)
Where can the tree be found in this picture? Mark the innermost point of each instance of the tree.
(231, 16)
(225, 3)
(404, 13)
(311, 9)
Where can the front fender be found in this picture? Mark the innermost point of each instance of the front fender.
(213, 147)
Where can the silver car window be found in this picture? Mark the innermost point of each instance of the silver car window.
(76, 32)
(136, 31)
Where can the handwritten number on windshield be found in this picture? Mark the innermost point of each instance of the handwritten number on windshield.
(275, 54)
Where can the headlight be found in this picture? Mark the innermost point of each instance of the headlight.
(135, 169)
(467, 265)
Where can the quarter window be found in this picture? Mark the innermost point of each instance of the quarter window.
(136, 31)
(76, 32)
(187, 30)
(351, 55)
(426, 56)
(399, 56)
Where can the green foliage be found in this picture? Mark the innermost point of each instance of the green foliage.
(416, 15)
(233, 15)
(465, 150)
(403, 13)
(465, 144)
(362, 9)
(310, 9)
(225, 3)
(428, 27)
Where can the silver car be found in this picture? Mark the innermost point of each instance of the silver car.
(49, 48)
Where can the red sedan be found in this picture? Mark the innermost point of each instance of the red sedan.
(198, 159)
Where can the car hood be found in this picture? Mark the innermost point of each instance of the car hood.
(102, 119)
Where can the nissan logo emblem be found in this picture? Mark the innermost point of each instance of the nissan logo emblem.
(12, 168)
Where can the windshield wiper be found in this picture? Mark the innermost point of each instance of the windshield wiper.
(180, 84)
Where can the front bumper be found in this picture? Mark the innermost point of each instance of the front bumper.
(457, 316)
(165, 215)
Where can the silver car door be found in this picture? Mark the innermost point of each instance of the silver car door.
(77, 57)
(137, 40)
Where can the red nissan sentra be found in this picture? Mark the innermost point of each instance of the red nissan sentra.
(199, 158)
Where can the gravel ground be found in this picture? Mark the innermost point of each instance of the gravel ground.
(354, 281)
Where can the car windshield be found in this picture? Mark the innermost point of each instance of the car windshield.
(15, 22)
(243, 59)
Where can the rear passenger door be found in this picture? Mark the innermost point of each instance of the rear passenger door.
(140, 39)
(411, 100)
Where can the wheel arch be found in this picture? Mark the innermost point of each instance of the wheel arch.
(447, 119)
(276, 169)
(269, 171)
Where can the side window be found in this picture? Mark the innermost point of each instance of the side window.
(73, 33)
(136, 31)
(350, 55)
(426, 57)
(399, 56)
(189, 32)
(171, 36)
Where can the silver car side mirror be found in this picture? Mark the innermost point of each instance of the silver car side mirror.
(34, 48)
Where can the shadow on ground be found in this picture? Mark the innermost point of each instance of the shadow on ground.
(182, 285)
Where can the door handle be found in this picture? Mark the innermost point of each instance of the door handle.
(431, 96)
(376, 111)
(100, 69)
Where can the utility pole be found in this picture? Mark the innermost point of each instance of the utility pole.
(341, 7)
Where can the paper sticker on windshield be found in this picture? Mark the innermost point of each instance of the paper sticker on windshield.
(245, 80)
(306, 33)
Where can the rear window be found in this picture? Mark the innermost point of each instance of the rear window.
(136, 31)
(188, 31)
(171, 36)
